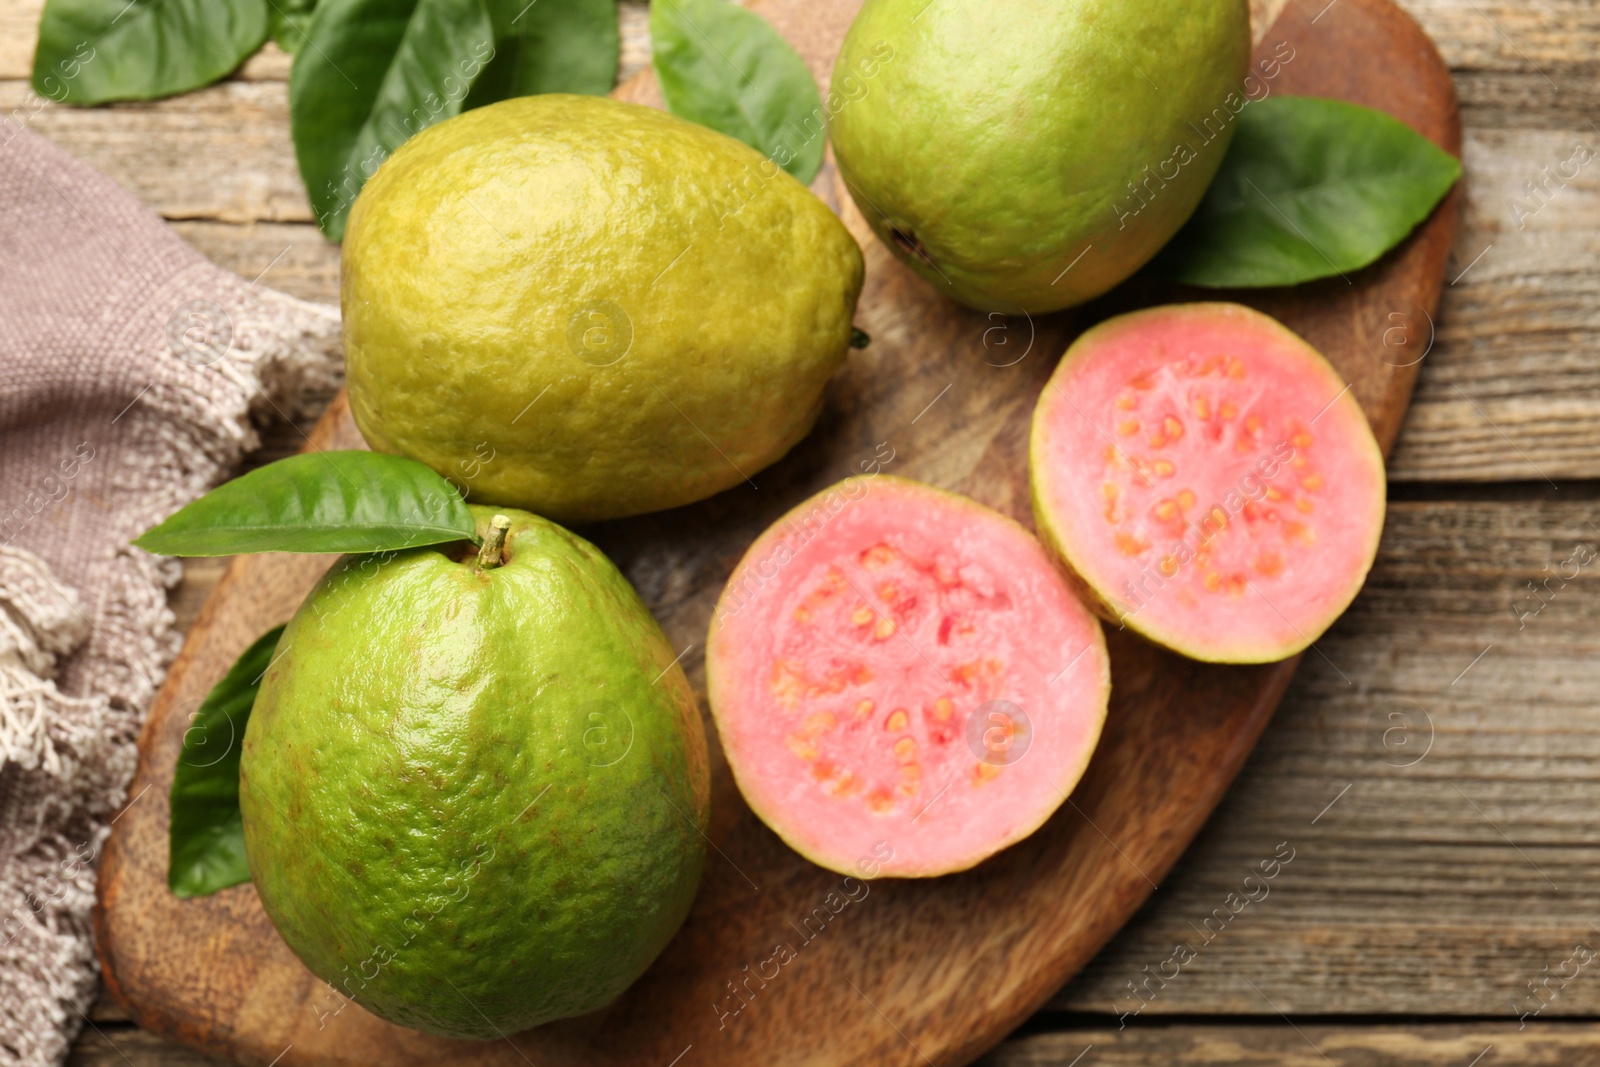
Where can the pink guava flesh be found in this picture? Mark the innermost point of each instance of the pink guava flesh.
(902, 679)
(1210, 479)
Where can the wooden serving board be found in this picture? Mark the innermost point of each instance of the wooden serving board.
(916, 972)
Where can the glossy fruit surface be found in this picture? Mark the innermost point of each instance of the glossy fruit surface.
(1026, 155)
(474, 799)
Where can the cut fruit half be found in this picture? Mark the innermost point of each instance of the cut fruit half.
(1209, 480)
(903, 682)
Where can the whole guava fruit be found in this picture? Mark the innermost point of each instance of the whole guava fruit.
(474, 796)
(1027, 155)
(590, 309)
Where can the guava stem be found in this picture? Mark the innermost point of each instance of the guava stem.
(489, 555)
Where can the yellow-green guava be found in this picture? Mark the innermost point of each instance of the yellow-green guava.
(1027, 155)
(590, 309)
(475, 796)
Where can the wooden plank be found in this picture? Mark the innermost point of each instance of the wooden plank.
(1551, 35)
(634, 19)
(113, 1045)
(292, 258)
(1269, 1042)
(1305, 1043)
(219, 153)
(1525, 100)
(1510, 390)
(19, 33)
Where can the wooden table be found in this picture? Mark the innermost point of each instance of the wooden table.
(1435, 776)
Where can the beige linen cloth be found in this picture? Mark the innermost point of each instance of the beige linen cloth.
(130, 371)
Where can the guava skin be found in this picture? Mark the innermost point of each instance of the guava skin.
(590, 309)
(991, 143)
(474, 800)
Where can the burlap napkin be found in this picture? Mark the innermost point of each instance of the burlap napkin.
(130, 370)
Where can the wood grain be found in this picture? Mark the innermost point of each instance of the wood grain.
(957, 961)
(290, 258)
(1307, 1043)
(1192, 1043)
(1513, 35)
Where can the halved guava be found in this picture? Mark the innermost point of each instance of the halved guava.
(1209, 479)
(902, 680)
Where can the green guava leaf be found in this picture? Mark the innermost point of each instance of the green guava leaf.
(727, 68)
(91, 51)
(289, 22)
(370, 75)
(319, 502)
(206, 844)
(549, 46)
(1310, 188)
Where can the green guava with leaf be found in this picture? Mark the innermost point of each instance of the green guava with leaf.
(474, 784)
(1027, 155)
